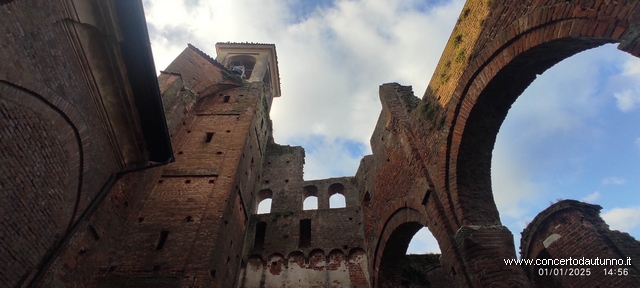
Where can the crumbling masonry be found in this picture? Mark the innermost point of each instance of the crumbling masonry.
(112, 176)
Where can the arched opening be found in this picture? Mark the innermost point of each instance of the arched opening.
(310, 203)
(570, 135)
(397, 269)
(336, 193)
(264, 200)
(310, 196)
(423, 242)
(264, 207)
(337, 201)
(242, 65)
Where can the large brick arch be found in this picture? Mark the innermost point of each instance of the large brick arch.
(505, 59)
(392, 245)
(503, 69)
(40, 194)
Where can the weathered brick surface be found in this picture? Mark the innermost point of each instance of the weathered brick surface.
(58, 153)
(430, 164)
(571, 229)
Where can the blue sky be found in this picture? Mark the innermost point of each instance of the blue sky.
(571, 135)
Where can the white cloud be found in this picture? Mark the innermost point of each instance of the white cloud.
(628, 99)
(623, 219)
(591, 198)
(614, 181)
(331, 61)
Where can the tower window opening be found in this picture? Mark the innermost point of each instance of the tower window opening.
(209, 136)
(242, 65)
(226, 98)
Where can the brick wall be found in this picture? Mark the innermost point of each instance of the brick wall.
(571, 229)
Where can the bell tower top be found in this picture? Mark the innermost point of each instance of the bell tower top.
(254, 62)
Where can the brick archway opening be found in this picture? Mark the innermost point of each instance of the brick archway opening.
(500, 74)
(490, 110)
(392, 246)
(390, 270)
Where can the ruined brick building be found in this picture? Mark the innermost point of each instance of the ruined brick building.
(112, 176)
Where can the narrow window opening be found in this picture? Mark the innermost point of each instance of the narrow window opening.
(337, 201)
(261, 229)
(126, 204)
(94, 233)
(286, 180)
(179, 152)
(219, 153)
(160, 181)
(264, 207)
(228, 131)
(305, 233)
(310, 203)
(226, 98)
(140, 219)
(187, 181)
(212, 181)
(163, 239)
(188, 218)
(367, 197)
(156, 268)
(213, 273)
(209, 136)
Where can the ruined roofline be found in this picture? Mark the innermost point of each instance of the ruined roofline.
(555, 208)
(207, 57)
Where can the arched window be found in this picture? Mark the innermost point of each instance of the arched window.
(337, 201)
(264, 207)
(310, 194)
(242, 65)
(310, 203)
(263, 201)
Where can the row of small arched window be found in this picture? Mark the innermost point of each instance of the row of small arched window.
(309, 203)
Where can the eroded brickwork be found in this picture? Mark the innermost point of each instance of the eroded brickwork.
(571, 229)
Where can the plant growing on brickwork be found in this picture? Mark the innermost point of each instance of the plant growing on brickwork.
(428, 110)
(444, 77)
(461, 56)
(466, 12)
(457, 40)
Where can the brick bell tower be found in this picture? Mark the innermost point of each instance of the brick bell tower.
(190, 229)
